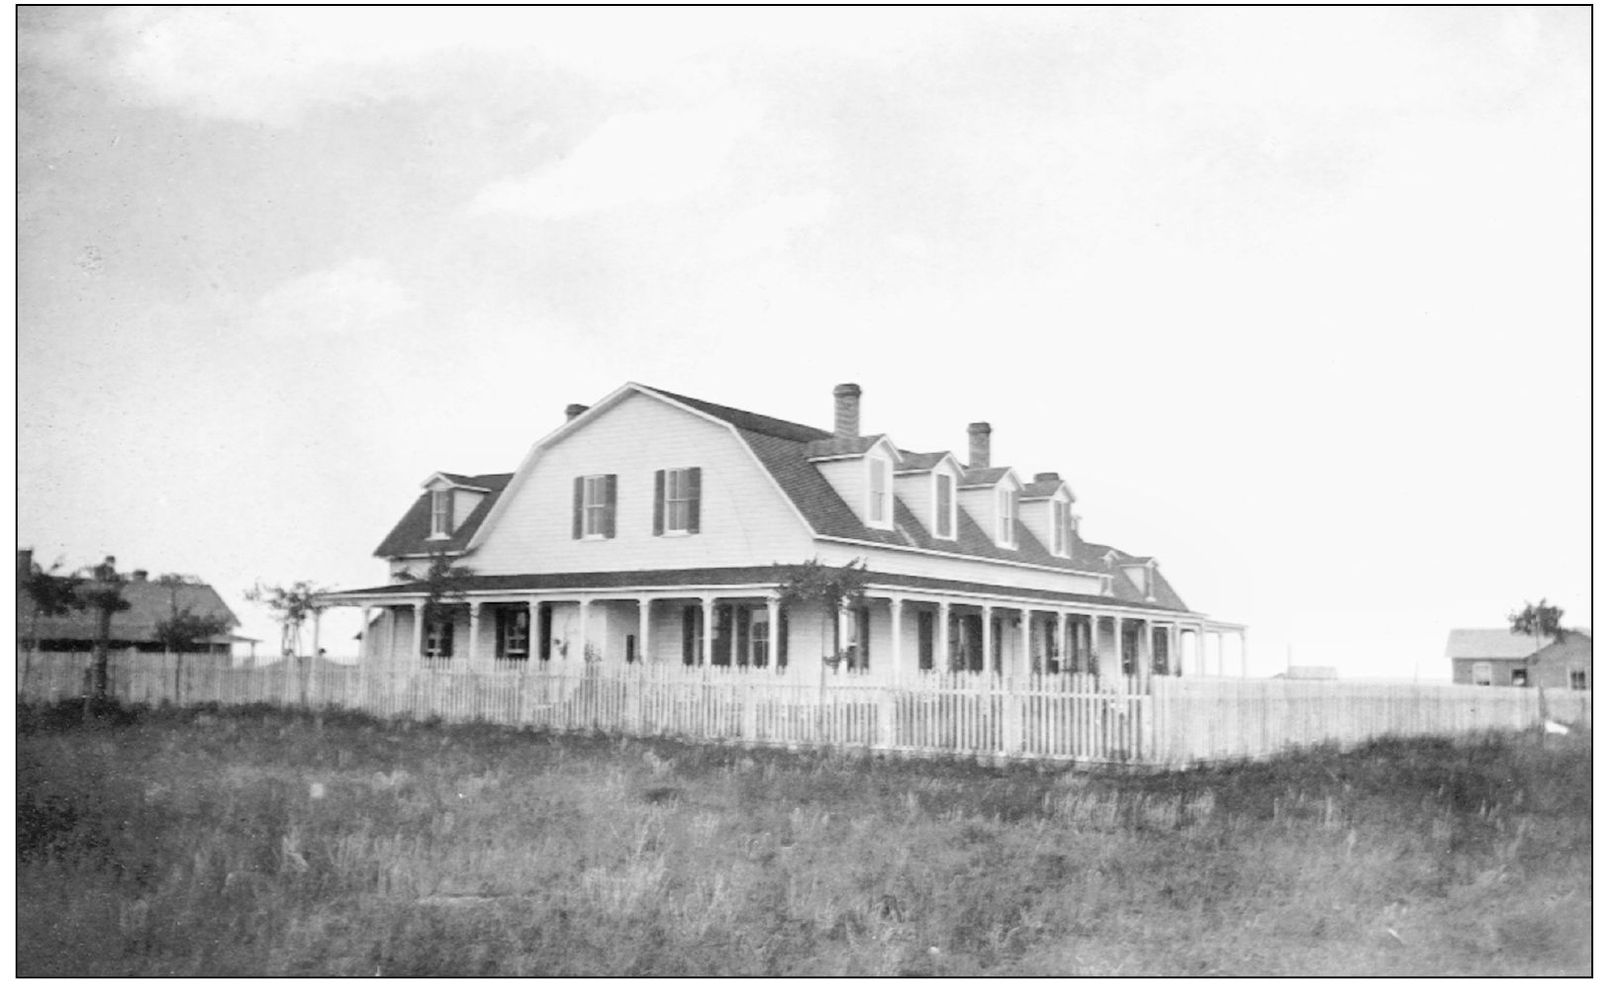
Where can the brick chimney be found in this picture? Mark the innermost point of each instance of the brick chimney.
(978, 445)
(847, 411)
(573, 411)
(139, 575)
(1047, 476)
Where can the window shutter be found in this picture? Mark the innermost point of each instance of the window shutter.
(545, 632)
(579, 506)
(612, 500)
(658, 505)
(781, 635)
(697, 495)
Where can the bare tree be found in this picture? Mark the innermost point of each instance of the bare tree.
(291, 606)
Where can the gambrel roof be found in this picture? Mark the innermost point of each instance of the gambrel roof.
(788, 452)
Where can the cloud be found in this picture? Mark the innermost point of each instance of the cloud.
(351, 299)
(273, 64)
(770, 225)
(649, 157)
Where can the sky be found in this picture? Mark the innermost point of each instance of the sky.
(1297, 300)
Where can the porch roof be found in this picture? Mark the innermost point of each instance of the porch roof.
(761, 575)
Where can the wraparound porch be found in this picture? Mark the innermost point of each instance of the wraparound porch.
(894, 631)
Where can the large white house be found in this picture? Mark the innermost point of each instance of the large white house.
(653, 527)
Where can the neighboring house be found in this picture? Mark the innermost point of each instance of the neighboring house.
(1314, 673)
(654, 526)
(150, 603)
(1499, 657)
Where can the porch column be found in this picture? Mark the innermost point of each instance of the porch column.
(534, 634)
(773, 613)
(1220, 653)
(896, 609)
(1119, 647)
(731, 635)
(315, 650)
(1172, 647)
(391, 619)
(1026, 628)
(645, 641)
(848, 651)
(585, 629)
(1091, 644)
(416, 628)
(703, 650)
(984, 638)
(891, 678)
(942, 640)
(475, 610)
(1200, 649)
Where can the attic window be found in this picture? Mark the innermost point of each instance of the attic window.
(1060, 527)
(440, 524)
(944, 506)
(879, 488)
(1005, 513)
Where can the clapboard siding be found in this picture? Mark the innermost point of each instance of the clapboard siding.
(847, 476)
(745, 519)
(1036, 514)
(917, 492)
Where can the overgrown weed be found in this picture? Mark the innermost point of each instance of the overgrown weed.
(253, 841)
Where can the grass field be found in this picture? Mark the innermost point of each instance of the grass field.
(246, 841)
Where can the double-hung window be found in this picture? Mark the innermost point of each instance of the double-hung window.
(441, 513)
(878, 487)
(596, 507)
(677, 501)
(438, 640)
(1060, 527)
(944, 506)
(1005, 514)
(514, 631)
(595, 499)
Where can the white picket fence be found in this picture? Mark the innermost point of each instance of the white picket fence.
(1159, 721)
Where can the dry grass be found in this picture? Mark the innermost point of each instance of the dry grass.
(255, 842)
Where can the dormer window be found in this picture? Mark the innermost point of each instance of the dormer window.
(879, 491)
(440, 522)
(945, 506)
(1060, 527)
(1006, 513)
